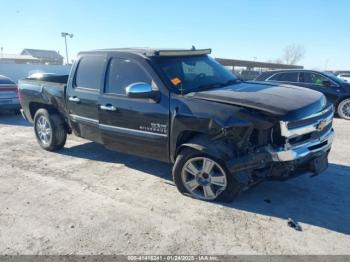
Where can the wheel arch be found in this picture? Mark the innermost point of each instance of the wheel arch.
(206, 144)
(35, 106)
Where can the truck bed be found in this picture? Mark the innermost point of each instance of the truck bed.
(43, 91)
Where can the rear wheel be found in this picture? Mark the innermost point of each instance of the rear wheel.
(344, 109)
(202, 176)
(49, 130)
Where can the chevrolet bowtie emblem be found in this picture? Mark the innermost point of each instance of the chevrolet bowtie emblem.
(321, 125)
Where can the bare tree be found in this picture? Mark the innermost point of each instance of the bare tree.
(275, 61)
(293, 54)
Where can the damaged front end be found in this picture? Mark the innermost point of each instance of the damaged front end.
(286, 150)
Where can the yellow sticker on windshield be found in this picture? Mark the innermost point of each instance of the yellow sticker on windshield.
(176, 81)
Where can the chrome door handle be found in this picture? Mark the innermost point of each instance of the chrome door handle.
(74, 99)
(108, 108)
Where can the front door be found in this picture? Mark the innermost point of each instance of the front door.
(133, 125)
(82, 96)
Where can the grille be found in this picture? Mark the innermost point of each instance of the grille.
(315, 123)
(312, 120)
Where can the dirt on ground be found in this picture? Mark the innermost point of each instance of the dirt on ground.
(85, 199)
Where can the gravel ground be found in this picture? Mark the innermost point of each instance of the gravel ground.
(88, 200)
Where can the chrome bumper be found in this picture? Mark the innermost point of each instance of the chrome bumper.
(324, 143)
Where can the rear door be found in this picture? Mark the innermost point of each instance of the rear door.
(8, 92)
(83, 93)
(135, 126)
(315, 81)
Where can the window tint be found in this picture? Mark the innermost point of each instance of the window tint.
(122, 73)
(286, 77)
(193, 73)
(313, 78)
(90, 71)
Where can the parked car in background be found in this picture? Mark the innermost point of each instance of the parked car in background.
(335, 89)
(247, 74)
(181, 106)
(345, 77)
(8, 95)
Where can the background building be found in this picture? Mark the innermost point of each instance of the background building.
(49, 57)
(17, 59)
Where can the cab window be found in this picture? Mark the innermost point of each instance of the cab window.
(122, 73)
(89, 72)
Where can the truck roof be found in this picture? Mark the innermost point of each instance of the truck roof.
(151, 52)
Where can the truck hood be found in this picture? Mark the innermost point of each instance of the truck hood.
(285, 101)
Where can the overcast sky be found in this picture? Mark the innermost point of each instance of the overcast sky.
(258, 29)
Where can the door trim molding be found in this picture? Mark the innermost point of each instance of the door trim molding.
(84, 120)
(129, 131)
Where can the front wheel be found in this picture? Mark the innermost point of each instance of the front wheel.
(204, 177)
(49, 130)
(344, 109)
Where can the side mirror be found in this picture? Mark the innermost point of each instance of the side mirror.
(326, 83)
(141, 90)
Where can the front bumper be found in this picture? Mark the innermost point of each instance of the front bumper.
(283, 163)
(307, 144)
(302, 150)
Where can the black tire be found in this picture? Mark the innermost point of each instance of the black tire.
(342, 112)
(233, 187)
(58, 131)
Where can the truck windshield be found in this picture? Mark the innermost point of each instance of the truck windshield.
(195, 73)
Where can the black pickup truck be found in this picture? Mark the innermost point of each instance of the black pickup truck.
(181, 106)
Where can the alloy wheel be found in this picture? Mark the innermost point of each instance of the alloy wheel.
(346, 109)
(44, 130)
(204, 178)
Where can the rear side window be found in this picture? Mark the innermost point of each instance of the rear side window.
(122, 73)
(90, 72)
(285, 77)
